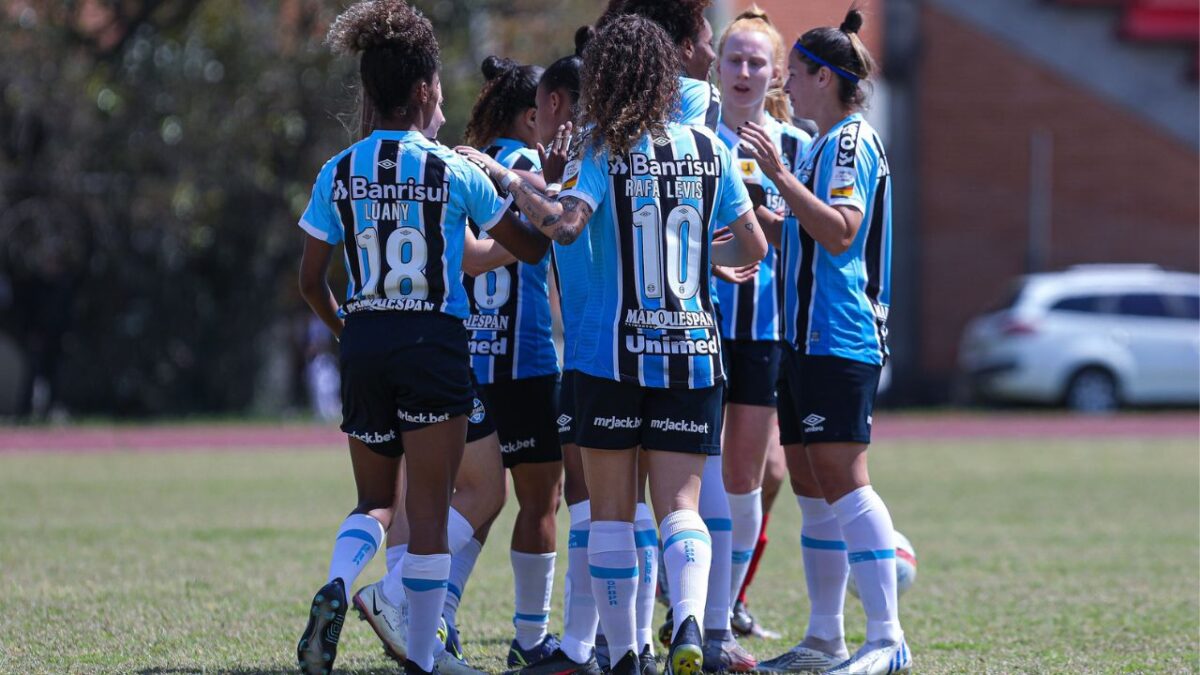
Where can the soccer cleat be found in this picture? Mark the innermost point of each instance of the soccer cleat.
(388, 621)
(629, 664)
(648, 663)
(745, 625)
(451, 640)
(876, 658)
(665, 630)
(446, 664)
(519, 658)
(727, 657)
(803, 659)
(558, 663)
(318, 645)
(686, 656)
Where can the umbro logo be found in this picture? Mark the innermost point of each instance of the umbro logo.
(564, 422)
(813, 422)
(388, 164)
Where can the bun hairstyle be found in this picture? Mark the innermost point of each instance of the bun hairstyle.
(564, 73)
(510, 89)
(396, 48)
(842, 48)
(756, 20)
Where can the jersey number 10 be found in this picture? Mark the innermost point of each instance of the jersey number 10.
(685, 233)
(407, 253)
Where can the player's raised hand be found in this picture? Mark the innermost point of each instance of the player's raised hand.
(756, 140)
(555, 158)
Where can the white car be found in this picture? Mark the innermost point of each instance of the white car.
(1094, 337)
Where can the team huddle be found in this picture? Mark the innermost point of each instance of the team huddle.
(722, 279)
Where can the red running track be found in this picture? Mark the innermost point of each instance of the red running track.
(888, 426)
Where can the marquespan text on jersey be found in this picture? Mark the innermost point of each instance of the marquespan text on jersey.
(665, 319)
(486, 322)
(389, 305)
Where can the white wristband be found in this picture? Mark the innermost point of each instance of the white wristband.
(507, 180)
(553, 189)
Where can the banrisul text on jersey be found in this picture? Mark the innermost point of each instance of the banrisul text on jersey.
(750, 310)
(399, 203)
(838, 304)
(649, 317)
(510, 324)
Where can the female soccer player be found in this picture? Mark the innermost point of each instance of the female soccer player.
(699, 101)
(750, 64)
(836, 258)
(515, 360)
(649, 193)
(397, 204)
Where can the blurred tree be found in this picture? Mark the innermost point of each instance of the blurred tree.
(154, 157)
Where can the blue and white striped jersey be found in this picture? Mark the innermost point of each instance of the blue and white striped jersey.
(699, 103)
(509, 325)
(649, 317)
(750, 311)
(399, 203)
(838, 305)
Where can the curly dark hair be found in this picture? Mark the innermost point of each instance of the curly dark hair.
(510, 89)
(843, 48)
(397, 45)
(682, 19)
(629, 83)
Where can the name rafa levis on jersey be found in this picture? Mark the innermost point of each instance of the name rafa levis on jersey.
(649, 316)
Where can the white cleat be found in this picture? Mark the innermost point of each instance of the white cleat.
(389, 621)
(876, 658)
(446, 664)
(802, 659)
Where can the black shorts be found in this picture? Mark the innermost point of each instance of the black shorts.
(524, 412)
(566, 408)
(751, 371)
(402, 371)
(617, 415)
(825, 399)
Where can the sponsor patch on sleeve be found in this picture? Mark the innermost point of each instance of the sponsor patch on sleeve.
(571, 174)
(847, 147)
(841, 182)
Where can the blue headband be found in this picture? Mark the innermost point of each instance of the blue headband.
(846, 74)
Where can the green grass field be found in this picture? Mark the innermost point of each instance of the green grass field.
(1063, 557)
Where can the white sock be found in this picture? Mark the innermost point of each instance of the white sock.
(871, 544)
(462, 563)
(425, 578)
(645, 535)
(359, 537)
(612, 561)
(714, 509)
(533, 584)
(579, 608)
(395, 554)
(825, 569)
(458, 534)
(745, 510)
(687, 554)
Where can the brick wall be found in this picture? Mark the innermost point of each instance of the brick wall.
(1122, 190)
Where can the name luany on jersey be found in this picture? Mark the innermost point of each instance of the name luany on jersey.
(846, 167)
(509, 325)
(392, 228)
